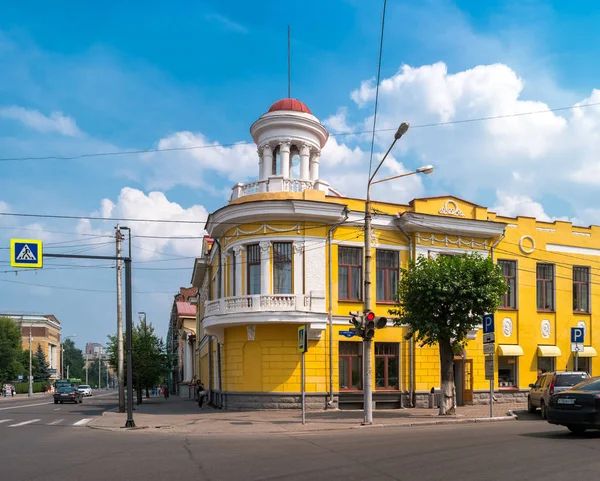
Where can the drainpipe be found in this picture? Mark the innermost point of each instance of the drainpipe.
(219, 367)
(210, 360)
(220, 261)
(496, 243)
(345, 214)
(411, 355)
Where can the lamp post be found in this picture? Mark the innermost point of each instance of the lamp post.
(62, 354)
(368, 343)
(30, 392)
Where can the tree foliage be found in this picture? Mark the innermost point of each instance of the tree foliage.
(11, 349)
(442, 299)
(148, 356)
(41, 371)
(73, 359)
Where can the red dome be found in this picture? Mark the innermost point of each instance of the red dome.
(290, 104)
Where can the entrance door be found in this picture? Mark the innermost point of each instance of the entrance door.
(468, 382)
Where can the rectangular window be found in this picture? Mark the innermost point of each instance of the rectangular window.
(581, 289)
(387, 365)
(350, 359)
(282, 267)
(233, 274)
(584, 365)
(545, 364)
(388, 263)
(349, 273)
(545, 287)
(509, 270)
(253, 269)
(507, 371)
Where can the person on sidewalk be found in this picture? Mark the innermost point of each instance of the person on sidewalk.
(166, 392)
(200, 393)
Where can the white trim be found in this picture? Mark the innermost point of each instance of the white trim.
(275, 238)
(262, 317)
(413, 222)
(376, 245)
(586, 251)
(424, 251)
(379, 221)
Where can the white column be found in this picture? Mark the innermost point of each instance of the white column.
(265, 267)
(298, 267)
(284, 150)
(304, 162)
(314, 165)
(261, 166)
(267, 158)
(222, 273)
(237, 250)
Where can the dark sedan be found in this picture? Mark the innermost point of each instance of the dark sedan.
(69, 395)
(577, 408)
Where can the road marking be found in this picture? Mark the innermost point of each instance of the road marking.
(57, 409)
(4, 420)
(55, 422)
(83, 422)
(24, 406)
(23, 423)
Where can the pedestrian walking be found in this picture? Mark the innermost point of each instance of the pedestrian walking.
(166, 392)
(200, 392)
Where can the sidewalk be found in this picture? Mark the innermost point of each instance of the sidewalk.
(37, 395)
(182, 415)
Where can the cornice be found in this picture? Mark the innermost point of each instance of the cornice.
(483, 229)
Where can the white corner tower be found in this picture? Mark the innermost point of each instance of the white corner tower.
(289, 139)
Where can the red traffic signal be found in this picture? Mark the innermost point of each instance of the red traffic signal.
(373, 322)
(370, 316)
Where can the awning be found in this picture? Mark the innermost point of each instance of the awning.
(588, 351)
(510, 350)
(548, 351)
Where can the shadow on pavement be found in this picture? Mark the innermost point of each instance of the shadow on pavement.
(563, 434)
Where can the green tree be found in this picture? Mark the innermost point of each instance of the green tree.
(73, 358)
(441, 300)
(93, 373)
(148, 356)
(42, 369)
(11, 350)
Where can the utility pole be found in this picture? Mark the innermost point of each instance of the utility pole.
(99, 369)
(120, 373)
(67, 372)
(30, 393)
(87, 366)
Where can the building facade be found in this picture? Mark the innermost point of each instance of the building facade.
(287, 250)
(45, 331)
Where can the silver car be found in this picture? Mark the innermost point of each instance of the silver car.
(85, 390)
(549, 384)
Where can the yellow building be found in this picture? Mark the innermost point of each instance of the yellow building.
(287, 250)
(42, 330)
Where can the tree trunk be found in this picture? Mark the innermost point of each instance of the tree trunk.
(139, 395)
(447, 368)
(147, 393)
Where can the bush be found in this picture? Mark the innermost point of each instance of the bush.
(23, 387)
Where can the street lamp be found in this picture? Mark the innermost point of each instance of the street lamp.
(30, 392)
(62, 354)
(368, 342)
(142, 315)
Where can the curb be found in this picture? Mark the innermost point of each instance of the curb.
(440, 422)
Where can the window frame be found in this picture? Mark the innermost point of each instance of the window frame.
(544, 284)
(386, 358)
(350, 268)
(233, 274)
(506, 298)
(516, 372)
(577, 286)
(347, 358)
(276, 259)
(388, 298)
(249, 249)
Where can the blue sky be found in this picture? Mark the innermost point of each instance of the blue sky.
(114, 76)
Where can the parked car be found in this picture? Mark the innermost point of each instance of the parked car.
(68, 394)
(85, 390)
(549, 384)
(577, 408)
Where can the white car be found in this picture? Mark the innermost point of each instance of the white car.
(85, 390)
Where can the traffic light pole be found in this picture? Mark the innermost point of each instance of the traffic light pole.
(368, 342)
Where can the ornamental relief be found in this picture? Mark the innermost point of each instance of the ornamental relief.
(546, 328)
(451, 208)
(507, 327)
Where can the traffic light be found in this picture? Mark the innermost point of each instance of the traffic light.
(372, 322)
(358, 322)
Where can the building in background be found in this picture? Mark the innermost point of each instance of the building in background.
(181, 339)
(94, 348)
(45, 331)
(288, 250)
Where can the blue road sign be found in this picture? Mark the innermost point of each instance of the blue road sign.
(488, 323)
(347, 333)
(20, 377)
(577, 335)
(26, 253)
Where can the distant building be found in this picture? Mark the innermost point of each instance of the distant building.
(45, 331)
(94, 348)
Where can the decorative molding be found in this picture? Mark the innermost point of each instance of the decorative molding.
(432, 239)
(546, 328)
(583, 326)
(512, 226)
(284, 146)
(251, 330)
(265, 228)
(450, 225)
(237, 250)
(298, 247)
(451, 208)
(582, 234)
(264, 246)
(545, 229)
(507, 327)
(585, 251)
(522, 247)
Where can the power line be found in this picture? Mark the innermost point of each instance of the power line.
(87, 217)
(334, 134)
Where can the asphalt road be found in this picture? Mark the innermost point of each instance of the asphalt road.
(519, 450)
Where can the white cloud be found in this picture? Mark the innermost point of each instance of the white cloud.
(226, 22)
(135, 204)
(55, 123)
(519, 205)
(338, 123)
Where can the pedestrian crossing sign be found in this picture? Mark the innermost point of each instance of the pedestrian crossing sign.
(26, 253)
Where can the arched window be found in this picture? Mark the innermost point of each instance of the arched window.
(294, 162)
